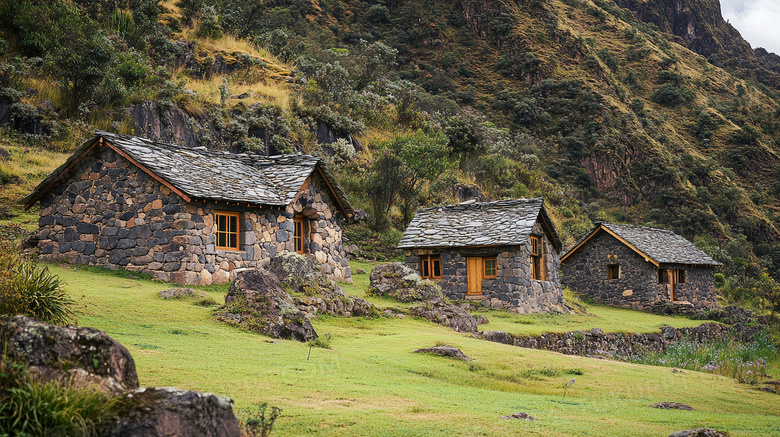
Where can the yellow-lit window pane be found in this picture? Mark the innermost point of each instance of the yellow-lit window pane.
(227, 230)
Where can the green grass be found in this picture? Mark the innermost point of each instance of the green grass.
(371, 383)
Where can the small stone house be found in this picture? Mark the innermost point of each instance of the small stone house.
(503, 254)
(635, 266)
(188, 215)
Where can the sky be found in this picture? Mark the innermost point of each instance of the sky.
(757, 20)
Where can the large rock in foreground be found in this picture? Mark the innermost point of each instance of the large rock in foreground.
(303, 276)
(444, 313)
(82, 357)
(400, 282)
(167, 411)
(257, 302)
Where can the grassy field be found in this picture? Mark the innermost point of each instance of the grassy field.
(371, 383)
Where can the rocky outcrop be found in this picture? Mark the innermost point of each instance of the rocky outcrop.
(701, 27)
(402, 283)
(257, 302)
(167, 411)
(444, 351)
(84, 357)
(446, 314)
(179, 293)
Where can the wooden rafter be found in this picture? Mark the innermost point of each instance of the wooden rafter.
(338, 200)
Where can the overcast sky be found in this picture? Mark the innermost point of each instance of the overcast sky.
(757, 20)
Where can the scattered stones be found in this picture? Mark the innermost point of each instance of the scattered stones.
(359, 272)
(481, 319)
(168, 411)
(445, 351)
(672, 406)
(257, 302)
(178, 293)
(402, 283)
(444, 313)
(84, 357)
(699, 432)
(519, 415)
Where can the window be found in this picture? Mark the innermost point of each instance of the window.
(537, 255)
(663, 276)
(430, 266)
(227, 230)
(680, 277)
(613, 271)
(298, 235)
(490, 267)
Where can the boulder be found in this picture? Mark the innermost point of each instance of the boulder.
(302, 275)
(167, 411)
(176, 293)
(83, 357)
(445, 351)
(444, 313)
(672, 406)
(519, 416)
(699, 432)
(400, 282)
(257, 302)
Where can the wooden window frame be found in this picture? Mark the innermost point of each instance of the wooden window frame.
(663, 276)
(682, 277)
(298, 235)
(537, 259)
(613, 271)
(227, 231)
(428, 266)
(485, 262)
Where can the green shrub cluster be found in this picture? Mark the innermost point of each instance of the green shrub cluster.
(29, 290)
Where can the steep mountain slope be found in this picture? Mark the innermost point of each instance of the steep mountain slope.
(644, 111)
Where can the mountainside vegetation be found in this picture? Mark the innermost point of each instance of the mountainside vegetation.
(414, 103)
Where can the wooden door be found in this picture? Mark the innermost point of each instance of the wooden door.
(672, 283)
(474, 272)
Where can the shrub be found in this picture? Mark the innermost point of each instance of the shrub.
(34, 292)
(257, 423)
(670, 94)
(29, 406)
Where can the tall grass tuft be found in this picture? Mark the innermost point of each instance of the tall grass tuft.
(744, 361)
(26, 289)
(29, 406)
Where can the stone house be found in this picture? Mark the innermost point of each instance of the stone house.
(188, 215)
(634, 266)
(503, 254)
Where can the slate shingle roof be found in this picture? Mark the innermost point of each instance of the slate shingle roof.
(500, 223)
(664, 247)
(222, 176)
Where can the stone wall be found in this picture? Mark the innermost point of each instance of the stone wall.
(512, 287)
(619, 345)
(637, 287)
(110, 213)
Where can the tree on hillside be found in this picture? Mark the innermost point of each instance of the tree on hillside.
(406, 162)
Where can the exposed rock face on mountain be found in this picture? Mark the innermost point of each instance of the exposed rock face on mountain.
(701, 27)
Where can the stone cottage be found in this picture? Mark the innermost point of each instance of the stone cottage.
(635, 266)
(188, 215)
(503, 253)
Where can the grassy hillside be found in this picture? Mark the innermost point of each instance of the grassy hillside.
(370, 383)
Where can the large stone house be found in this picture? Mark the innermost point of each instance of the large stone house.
(503, 253)
(188, 215)
(634, 266)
